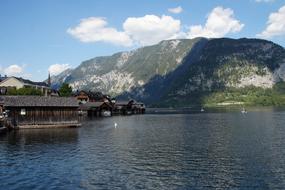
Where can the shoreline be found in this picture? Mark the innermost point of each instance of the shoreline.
(216, 109)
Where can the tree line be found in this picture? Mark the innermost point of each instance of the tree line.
(65, 90)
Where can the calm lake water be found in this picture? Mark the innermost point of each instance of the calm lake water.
(222, 150)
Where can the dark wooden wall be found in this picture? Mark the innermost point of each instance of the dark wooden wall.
(44, 115)
(97, 112)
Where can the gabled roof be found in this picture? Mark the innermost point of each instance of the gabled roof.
(92, 95)
(90, 105)
(96, 104)
(124, 102)
(38, 101)
(28, 82)
(138, 103)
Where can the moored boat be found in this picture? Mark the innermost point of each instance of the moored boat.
(106, 113)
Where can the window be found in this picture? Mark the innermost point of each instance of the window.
(23, 111)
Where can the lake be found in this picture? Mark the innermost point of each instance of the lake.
(218, 150)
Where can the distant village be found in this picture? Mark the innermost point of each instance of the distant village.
(28, 104)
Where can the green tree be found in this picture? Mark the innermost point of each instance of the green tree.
(29, 91)
(26, 91)
(65, 90)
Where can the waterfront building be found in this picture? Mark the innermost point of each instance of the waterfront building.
(129, 107)
(40, 111)
(89, 96)
(96, 109)
(96, 103)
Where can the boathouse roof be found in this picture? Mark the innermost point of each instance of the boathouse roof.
(122, 102)
(95, 104)
(97, 96)
(38, 101)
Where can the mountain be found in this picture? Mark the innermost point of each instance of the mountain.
(57, 80)
(183, 72)
(122, 71)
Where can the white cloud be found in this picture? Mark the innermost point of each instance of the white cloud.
(94, 29)
(176, 10)
(58, 68)
(264, 1)
(220, 22)
(151, 29)
(275, 25)
(13, 70)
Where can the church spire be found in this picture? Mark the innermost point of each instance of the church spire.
(49, 80)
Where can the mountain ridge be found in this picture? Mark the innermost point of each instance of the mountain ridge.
(178, 68)
(98, 70)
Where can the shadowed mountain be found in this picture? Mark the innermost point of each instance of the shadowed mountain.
(214, 66)
(121, 72)
(184, 72)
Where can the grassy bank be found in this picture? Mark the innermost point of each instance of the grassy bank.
(228, 97)
(250, 96)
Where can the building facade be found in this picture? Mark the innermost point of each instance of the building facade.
(40, 111)
(17, 83)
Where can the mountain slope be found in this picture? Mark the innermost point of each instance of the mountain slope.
(182, 72)
(60, 78)
(216, 65)
(122, 71)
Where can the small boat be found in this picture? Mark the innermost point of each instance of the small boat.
(202, 110)
(106, 113)
(129, 113)
(80, 112)
(243, 111)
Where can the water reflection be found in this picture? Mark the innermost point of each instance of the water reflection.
(42, 136)
(198, 151)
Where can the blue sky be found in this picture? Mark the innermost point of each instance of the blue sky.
(37, 36)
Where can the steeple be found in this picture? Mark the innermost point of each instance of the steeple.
(49, 80)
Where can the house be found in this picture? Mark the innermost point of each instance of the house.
(16, 82)
(123, 107)
(89, 96)
(81, 96)
(96, 109)
(40, 111)
(138, 108)
(129, 107)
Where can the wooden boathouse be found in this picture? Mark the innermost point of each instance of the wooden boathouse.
(89, 96)
(96, 109)
(40, 111)
(129, 107)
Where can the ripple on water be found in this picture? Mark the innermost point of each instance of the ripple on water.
(199, 151)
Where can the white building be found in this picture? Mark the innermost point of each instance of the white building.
(15, 82)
